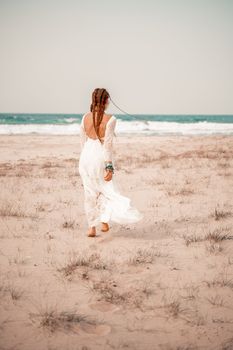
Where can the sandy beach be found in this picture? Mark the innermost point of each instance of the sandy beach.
(164, 283)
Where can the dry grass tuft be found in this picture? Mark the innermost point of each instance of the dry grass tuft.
(53, 320)
(18, 259)
(10, 288)
(218, 235)
(216, 300)
(191, 239)
(69, 224)
(8, 209)
(15, 292)
(191, 292)
(78, 260)
(222, 280)
(175, 309)
(50, 164)
(40, 207)
(213, 248)
(145, 256)
(109, 294)
(183, 191)
(173, 305)
(110, 291)
(221, 214)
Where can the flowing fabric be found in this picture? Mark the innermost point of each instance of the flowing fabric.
(103, 201)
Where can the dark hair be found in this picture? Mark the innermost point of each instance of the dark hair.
(99, 99)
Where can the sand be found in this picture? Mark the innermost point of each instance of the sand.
(164, 283)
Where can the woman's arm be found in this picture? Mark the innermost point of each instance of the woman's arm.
(83, 135)
(108, 145)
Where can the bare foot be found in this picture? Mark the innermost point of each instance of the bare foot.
(91, 232)
(104, 227)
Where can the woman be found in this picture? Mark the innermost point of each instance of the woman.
(103, 201)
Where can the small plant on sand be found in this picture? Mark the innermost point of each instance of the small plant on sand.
(145, 256)
(192, 239)
(221, 280)
(186, 190)
(109, 291)
(173, 306)
(147, 289)
(12, 209)
(221, 214)
(69, 224)
(15, 292)
(40, 206)
(53, 320)
(216, 300)
(219, 234)
(81, 260)
(191, 292)
(214, 239)
(213, 248)
(18, 259)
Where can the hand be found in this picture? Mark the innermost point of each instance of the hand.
(108, 175)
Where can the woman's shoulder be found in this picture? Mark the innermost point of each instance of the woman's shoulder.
(83, 116)
(112, 120)
(112, 116)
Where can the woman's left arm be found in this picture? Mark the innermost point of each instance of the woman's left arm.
(82, 134)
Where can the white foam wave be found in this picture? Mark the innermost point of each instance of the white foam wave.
(124, 127)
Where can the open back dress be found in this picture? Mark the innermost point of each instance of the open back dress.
(103, 201)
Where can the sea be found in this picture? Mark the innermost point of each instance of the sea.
(140, 124)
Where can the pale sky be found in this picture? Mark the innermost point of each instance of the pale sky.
(155, 57)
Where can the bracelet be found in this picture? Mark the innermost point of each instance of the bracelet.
(110, 167)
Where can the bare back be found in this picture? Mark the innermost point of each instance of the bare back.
(89, 127)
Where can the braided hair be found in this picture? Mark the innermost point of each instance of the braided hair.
(99, 99)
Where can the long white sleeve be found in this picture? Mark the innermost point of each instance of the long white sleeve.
(82, 134)
(108, 139)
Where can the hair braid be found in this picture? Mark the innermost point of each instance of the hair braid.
(99, 99)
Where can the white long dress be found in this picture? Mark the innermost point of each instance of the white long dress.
(103, 201)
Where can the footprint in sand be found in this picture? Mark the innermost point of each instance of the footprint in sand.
(105, 239)
(100, 330)
(134, 269)
(104, 306)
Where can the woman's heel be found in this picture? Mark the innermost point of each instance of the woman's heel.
(91, 232)
(104, 227)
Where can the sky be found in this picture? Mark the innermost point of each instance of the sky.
(153, 56)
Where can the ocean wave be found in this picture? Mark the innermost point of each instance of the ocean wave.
(123, 127)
